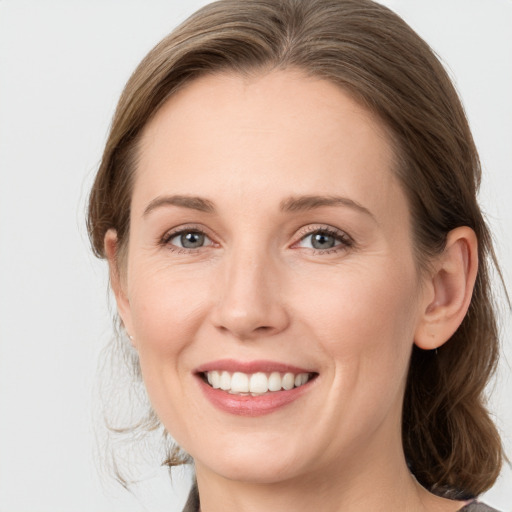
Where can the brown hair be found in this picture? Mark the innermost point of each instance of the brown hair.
(452, 445)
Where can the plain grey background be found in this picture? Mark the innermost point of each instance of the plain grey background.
(62, 67)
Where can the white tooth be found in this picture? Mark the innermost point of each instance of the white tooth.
(225, 381)
(239, 383)
(288, 381)
(274, 381)
(258, 383)
(298, 380)
(214, 379)
(304, 377)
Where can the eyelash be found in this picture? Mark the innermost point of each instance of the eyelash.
(345, 241)
(165, 241)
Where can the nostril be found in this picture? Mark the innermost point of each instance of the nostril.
(249, 319)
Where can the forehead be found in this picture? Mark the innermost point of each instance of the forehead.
(279, 133)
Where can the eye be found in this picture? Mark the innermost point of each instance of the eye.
(324, 240)
(188, 239)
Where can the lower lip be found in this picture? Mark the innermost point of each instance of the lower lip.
(247, 405)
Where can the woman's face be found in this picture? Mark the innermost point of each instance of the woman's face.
(269, 236)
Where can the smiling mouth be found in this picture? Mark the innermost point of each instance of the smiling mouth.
(255, 384)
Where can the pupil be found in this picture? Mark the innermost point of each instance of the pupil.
(192, 240)
(322, 241)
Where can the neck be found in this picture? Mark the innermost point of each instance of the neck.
(374, 483)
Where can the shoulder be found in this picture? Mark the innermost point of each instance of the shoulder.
(476, 506)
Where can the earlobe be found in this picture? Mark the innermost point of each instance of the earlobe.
(449, 289)
(116, 279)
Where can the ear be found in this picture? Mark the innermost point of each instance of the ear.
(448, 291)
(117, 280)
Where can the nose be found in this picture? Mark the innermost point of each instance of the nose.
(249, 303)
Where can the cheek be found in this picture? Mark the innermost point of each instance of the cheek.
(365, 329)
(366, 318)
(167, 309)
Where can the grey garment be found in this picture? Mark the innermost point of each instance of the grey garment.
(475, 506)
(192, 504)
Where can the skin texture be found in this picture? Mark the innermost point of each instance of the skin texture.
(258, 289)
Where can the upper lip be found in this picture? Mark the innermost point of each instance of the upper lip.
(249, 367)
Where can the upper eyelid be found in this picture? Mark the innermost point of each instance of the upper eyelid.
(314, 228)
(171, 233)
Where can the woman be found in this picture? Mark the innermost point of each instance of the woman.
(287, 202)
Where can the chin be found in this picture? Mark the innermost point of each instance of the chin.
(248, 462)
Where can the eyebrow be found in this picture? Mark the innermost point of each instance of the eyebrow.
(291, 204)
(305, 203)
(192, 202)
